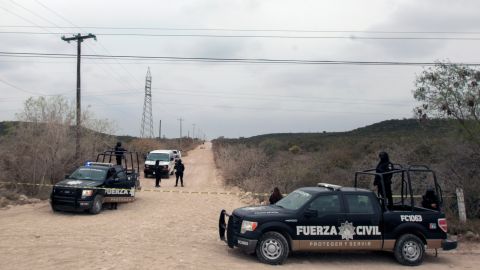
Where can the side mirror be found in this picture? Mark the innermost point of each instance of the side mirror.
(171, 159)
(67, 176)
(310, 213)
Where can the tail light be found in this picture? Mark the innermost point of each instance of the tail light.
(442, 223)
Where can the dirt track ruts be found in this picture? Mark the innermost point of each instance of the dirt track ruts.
(166, 231)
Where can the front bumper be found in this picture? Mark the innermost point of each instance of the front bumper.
(233, 239)
(448, 244)
(71, 206)
(246, 245)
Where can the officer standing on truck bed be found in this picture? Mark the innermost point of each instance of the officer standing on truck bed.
(384, 166)
(119, 150)
(179, 168)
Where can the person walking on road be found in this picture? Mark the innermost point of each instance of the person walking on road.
(158, 173)
(384, 166)
(179, 169)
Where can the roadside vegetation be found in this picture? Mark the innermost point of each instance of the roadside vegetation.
(445, 135)
(39, 149)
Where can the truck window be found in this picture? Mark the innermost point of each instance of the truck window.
(121, 175)
(326, 204)
(359, 204)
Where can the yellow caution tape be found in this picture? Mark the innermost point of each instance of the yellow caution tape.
(178, 191)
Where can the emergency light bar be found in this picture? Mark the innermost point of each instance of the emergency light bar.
(329, 186)
(90, 163)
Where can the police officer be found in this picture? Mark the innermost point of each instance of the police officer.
(430, 200)
(179, 168)
(119, 150)
(276, 196)
(383, 167)
(158, 173)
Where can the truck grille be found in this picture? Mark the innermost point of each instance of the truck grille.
(236, 223)
(233, 228)
(64, 196)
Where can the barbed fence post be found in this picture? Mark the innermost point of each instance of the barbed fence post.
(462, 214)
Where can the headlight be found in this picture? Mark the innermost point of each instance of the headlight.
(248, 226)
(87, 193)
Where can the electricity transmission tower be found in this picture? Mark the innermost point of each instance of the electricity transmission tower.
(146, 131)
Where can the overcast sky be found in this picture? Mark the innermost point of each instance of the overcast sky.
(234, 99)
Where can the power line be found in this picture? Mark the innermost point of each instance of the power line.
(350, 37)
(230, 60)
(255, 30)
(113, 72)
(35, 14)
(263, 108)
(247, 96)
(21, 89)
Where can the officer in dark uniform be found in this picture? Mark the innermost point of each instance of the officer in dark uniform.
(384, 166)
(158, 173)
(179, 169)
(430, 200)
(119, 150)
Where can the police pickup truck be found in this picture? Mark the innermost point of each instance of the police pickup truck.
(334, 218)
(95, 183)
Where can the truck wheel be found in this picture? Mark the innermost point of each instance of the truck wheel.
(272, 248)
(409, 250)
(97, 205)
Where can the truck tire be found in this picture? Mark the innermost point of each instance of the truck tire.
(409, 250)
(272, 248)
(97, 205)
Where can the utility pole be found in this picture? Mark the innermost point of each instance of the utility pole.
(160, 130)
(193, 131)
(181, 120)
(79, 38)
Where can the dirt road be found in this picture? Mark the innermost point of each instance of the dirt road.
(163, 230)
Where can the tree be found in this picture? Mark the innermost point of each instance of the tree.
(40, 149)
(450, 91)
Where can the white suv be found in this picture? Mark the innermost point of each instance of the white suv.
(166, 159)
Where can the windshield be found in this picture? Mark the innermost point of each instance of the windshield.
(294, 200)
(89, 174)
(158, 156)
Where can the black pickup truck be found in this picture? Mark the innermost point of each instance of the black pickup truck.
(96, 183)
(334, 218)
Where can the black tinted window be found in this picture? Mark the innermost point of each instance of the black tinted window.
(360, 204)
(122, 175)
(326, 204)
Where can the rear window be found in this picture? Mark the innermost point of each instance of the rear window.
(359, 204)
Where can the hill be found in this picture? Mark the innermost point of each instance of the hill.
(406, 129)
